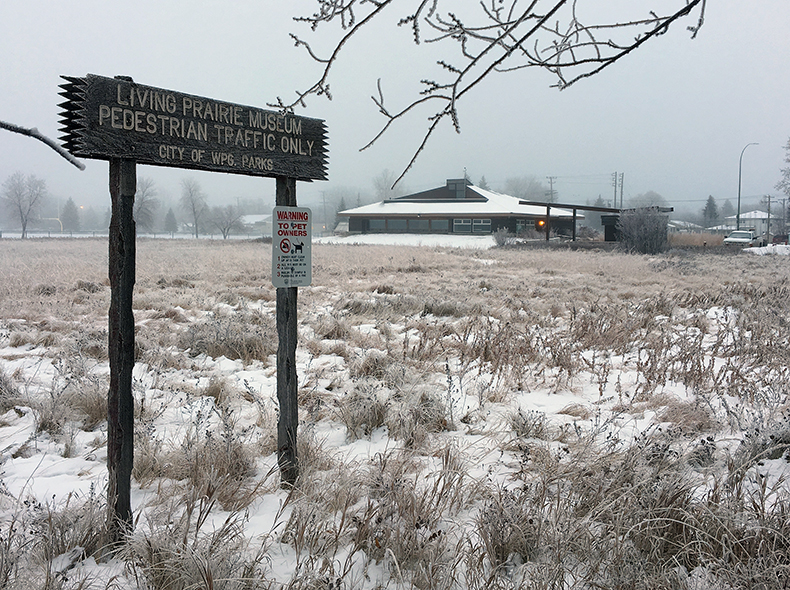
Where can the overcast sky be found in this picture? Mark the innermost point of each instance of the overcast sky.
(673, 116)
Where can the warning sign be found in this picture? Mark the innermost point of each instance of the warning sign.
(292, 264)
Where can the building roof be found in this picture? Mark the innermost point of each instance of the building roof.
(253, 219)
(456, 198)
(756, 214)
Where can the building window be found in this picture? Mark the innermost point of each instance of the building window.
(396, 224)
(377, 225)
(481, 226)
(440, 225)
(462, 226)
(418, 225)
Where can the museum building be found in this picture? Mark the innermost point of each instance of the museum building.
(457, 207)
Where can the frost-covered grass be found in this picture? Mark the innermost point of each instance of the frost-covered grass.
(500, 418)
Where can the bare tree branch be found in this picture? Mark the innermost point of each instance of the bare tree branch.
(499, 36)
(35, 134)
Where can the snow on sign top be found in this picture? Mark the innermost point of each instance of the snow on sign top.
(107, 118)
(292, 264)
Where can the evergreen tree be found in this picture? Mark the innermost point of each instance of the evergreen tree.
(70, 216)
(171, 225)
(483, 184)
(711, 212)
(90, 219)
(727, 210)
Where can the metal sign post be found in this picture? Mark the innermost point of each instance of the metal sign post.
(126, 123)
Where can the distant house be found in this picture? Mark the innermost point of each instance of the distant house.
(260, 225)
(457, 207)
(756, 220)
(678, 226)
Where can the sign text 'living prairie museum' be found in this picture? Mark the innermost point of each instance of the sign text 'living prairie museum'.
(116, 118)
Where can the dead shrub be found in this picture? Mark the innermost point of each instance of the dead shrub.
(173, 314)
(529, 424)
(412, 419)
(89, 401)
(88, 286)
(9, 395)
(45, 290)
(219, 389)
(243, 335)
(446, 308)
(691, 416)
(332, 328)
(175, 282)
(362, 411)
(374, 364)
(508, 525)
(183, 549)
(643, 231)
(579, 411)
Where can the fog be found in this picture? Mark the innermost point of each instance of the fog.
(672, 117)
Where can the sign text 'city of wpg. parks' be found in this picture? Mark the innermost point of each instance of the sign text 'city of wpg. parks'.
(107, 118)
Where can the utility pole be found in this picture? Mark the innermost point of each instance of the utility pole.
(768, 223)
(614, 184)
(622, 176)
(326, 223)
(551, 189)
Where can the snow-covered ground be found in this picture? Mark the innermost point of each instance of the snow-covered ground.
(472, 392)
(426, 240)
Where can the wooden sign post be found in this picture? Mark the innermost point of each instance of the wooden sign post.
(126, 123)
(287, 393)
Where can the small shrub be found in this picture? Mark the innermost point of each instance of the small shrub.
(503, 237)
(414, 418)
(362, 413)
(643, 231)
(9, 395)
(374, 364)
(219, 389)
(88, 400)
(529, 424)
(245, 336)
(508, 525)
(88, 286)
(179, 552)
(447, 308)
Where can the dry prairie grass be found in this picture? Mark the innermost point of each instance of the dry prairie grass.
(434, 346)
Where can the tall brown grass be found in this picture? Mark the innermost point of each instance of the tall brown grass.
(438, 349)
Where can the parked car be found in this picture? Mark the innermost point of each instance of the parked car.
(744, 239)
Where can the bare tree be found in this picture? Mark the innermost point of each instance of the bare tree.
(226, 219)
(568, 38)
(145, 203)
(526, 187)
(643, 230)
(24, 197)
(648, 199)
(784, 184)
(385, 186)
(193, 201)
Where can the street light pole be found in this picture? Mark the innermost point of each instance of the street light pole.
(740, 168)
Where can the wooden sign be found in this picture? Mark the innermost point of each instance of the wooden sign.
(107, 118)
(291, 247)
